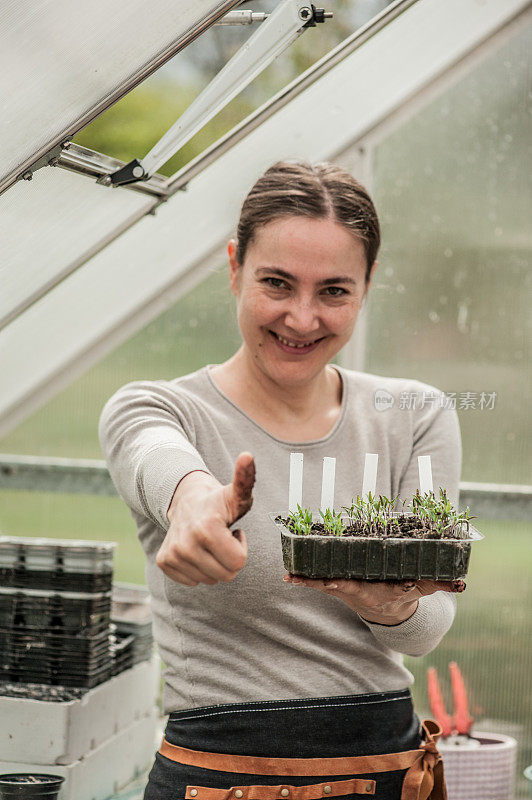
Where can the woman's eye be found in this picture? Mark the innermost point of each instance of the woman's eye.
(275, 283)
(279, 283)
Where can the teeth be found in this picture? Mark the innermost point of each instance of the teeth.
(292, 344)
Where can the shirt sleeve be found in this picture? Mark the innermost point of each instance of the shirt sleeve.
(148, 443)
(435, 432)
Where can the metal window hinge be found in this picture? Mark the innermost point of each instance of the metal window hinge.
(276, 33)
(50, 159)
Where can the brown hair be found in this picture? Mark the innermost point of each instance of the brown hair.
(309, 190)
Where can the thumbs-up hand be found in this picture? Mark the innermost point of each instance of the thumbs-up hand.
(198, 546)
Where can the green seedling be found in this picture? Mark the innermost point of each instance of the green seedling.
(332, 522)
(301, 520)
(439, 514)
(377, 513)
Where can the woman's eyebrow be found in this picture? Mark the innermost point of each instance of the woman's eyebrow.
(283, 274)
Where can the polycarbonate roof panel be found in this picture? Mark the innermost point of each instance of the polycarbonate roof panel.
(49, 224)
(129, 281)
(61, 61)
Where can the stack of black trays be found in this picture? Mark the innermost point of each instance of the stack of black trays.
(55, 608)
(132, 618)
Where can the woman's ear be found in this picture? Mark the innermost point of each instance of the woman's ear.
(234, 267)
(373, 268)
(368, 284)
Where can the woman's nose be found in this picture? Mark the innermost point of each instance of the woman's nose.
(302, 318)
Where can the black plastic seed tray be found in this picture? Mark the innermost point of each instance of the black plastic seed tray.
(55, 677)
(47, 668)
(53, 646)
(131, 614)
(29, 661)
(20, 578)
(57, 555)
(122, 652)
(372, 558)
(44, 610)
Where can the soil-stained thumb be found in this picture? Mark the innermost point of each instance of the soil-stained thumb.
(239, 495)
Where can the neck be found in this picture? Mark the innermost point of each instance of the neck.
(295, 401)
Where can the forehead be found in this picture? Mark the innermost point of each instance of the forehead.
(302, 242)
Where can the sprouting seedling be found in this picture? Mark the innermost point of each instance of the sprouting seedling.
(301, 520)
(356, 512)
(332, 521)
(439, 514)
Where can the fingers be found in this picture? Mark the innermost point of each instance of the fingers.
(426, 587)
(240, 536)
(207, 553)
(213, 537)
(385, 590)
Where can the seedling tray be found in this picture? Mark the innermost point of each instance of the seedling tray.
(372, 558)
(56, 677)
(57, 555)
(47, 611)
(131, 614)
(21, 578)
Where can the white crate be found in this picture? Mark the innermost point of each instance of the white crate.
(108, 768)
(48, 733)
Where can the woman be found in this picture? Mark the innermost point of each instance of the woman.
(257, 667)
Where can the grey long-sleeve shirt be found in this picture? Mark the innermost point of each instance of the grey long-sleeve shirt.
(256, 637)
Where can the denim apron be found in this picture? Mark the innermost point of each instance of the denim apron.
(345, 726)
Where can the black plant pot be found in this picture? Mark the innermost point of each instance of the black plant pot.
(371, 558)
(23, 786)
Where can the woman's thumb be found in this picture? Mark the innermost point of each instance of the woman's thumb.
(241, 488)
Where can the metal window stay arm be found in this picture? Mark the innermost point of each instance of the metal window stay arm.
(276, 33)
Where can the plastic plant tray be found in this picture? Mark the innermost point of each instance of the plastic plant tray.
(371, 558)
(21, 578)
(53, 555)
(45, 610)
(131, 614)
(56, 677)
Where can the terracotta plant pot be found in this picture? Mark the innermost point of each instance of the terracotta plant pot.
(23, 786)
(322, 555)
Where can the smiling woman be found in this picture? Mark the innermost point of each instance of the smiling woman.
(261, 671)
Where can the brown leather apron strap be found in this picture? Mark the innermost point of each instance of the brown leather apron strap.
(423, 780)
(316, 791)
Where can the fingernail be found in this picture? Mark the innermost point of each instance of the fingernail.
(331, 585)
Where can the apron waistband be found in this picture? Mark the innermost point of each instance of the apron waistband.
(423, 781)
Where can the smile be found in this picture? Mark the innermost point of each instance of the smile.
(300, 347)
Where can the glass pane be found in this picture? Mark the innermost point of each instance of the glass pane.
(450, 306)
(59, 60)
(200, 328)
(49, 224)
(451, 299)
(59, 516)
(489, 641)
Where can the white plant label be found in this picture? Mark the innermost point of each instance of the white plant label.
(327, 483)
(369, 481)
(425, 474)
(295, 486)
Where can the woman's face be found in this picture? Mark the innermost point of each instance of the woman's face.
(302, 283)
